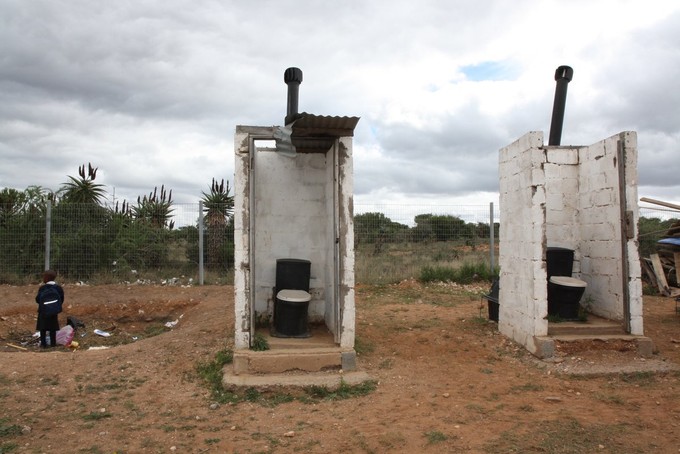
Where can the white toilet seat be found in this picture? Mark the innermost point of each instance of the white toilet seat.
(567, 281)
(294, 296)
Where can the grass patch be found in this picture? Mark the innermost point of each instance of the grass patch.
(8, 430)
(211, 373)
(467, 273)
(398, 261)
(155, 329)
(260, 343)
(344, 391)
(362, 346)
(566, 436)
(8, 447)
(435, 436)
(96, 416)
(641, 378)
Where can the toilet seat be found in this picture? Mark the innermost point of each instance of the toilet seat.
(294, 296)
(568, 281)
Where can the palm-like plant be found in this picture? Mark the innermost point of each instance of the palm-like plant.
(218, 207)
(84, 189)
(155, 209)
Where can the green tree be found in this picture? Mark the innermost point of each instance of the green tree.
(375, 227)
(218, 207)
(442, 228)
(22, 230)
(651, 230)
(11, 202)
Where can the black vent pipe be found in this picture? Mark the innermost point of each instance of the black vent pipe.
(563, 76)
(293, 78)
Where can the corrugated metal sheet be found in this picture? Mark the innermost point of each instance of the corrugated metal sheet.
(316, 133)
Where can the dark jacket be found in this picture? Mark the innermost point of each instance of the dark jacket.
(46, 322)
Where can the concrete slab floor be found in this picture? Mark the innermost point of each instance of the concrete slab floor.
(330, 380)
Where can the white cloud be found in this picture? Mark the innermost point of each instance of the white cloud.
(151, 92)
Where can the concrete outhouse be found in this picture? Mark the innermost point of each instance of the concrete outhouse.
(293, 204)
(577, 198)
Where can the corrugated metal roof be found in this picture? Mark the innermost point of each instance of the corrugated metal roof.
(316, 133)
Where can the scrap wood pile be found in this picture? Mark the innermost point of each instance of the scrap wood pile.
(663, 268)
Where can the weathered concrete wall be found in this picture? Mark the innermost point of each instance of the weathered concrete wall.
(523, 291)
(291, 196)
(574, 197)
(297, 207)
(345, 251)
(242, 259)
(608, 214)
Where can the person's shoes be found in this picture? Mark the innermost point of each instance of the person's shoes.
(43, 346)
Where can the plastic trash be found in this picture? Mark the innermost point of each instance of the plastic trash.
(173, 323)
(65, 335)
(101, 333)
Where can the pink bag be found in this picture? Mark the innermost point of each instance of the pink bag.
(65, 335)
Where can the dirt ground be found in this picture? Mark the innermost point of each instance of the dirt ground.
(447, 381)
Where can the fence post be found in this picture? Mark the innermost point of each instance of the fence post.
(201, 271)
(492, 242)
(48, 230)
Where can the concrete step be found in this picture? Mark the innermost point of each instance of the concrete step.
(594, 326)
(316, 353)
(287, 359)
(329, 379)
(548, 345)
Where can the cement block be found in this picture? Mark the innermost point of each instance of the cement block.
(645, 347)
(348, 360)
(240, 364)
(545, 347)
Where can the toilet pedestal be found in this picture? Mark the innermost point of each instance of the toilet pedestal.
(291, 314)
(564, 296)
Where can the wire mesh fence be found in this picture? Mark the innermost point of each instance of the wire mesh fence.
(100, 244)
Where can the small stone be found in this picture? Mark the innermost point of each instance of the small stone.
(553, 399)
(446, 395)
(26, 430)
(600, 446)
(232, 428)
(173, 448)
(214, 406)
(289, 434)
(102, 410)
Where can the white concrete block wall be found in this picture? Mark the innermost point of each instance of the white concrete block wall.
(566, 197)
(522, 237)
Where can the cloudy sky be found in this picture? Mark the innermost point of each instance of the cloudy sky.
(150, 91)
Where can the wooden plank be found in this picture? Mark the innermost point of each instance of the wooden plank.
(660, 276)
(17, 347)
(649, 271)
(660, 202)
